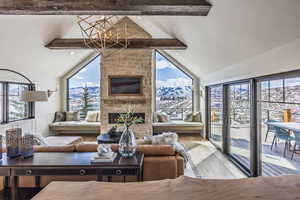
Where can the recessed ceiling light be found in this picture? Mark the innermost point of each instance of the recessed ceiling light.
(72, 53)
(139, 17)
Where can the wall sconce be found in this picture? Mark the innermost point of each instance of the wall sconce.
(50, 92)
(36, 96)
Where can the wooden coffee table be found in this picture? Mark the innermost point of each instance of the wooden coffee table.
(70, 164)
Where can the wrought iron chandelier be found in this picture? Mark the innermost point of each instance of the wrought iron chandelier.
(103, 33)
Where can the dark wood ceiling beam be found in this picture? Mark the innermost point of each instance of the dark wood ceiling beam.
(166, 44)
(105, 7)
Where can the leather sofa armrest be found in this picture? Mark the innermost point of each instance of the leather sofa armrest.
(160, 167)
(180, 165)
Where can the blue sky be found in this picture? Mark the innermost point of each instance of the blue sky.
(169, 75)
(89, 75)
(166, 74)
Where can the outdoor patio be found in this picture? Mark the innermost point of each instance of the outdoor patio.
(273, 161)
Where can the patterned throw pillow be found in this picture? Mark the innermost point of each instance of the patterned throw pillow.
(39, 140)
(197, 117)
(72, 116)
(188, 117)
(163, 117)
(99, 116)
(60, 117)
(91, 116)
(155, 117)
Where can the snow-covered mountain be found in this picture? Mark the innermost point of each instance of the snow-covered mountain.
(77, 92)
(170, 92)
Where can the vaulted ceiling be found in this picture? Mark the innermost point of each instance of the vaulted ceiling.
(234, 30)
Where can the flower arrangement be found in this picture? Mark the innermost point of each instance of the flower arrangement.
(128, 118)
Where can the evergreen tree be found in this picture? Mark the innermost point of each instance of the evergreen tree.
(86, 102)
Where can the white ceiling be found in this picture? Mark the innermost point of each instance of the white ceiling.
(235, 30)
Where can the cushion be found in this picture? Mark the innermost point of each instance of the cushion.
(163, 117)
(155, 117)
(188, 117)
(98, 116)
(156, 150)
(62, 140)
(197, 117)
(148, 150)
(87, 147)
(91, 116)
(168, 138)
(75, 124)
(60, 117)
(72, 116)
(39, 140)
(177, 123)
(65, 148)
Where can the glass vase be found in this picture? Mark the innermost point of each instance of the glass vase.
(127, 143)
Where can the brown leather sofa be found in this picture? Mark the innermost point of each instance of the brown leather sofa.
(160, 162)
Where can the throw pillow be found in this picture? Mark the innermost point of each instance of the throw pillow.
(99, 116)
(60, 117)
(197, 117)
(72, 116)
(39, 140)
(166, 138)
(163, 117)
(155, 117)
(91, 116)
(188, 117)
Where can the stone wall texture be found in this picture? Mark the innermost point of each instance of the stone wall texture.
(128, 63)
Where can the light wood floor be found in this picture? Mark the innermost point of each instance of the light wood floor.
(211, 163)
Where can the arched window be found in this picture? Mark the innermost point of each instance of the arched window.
(83, 88)
(174, 89)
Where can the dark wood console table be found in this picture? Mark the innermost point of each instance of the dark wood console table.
(71, 164)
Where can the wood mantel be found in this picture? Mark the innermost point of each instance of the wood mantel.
(125, 101)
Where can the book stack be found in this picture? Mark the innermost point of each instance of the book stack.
(107, 157)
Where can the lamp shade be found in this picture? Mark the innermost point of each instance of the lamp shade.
(34, 96)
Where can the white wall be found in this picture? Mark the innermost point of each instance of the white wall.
(22, 41)
(281, 59)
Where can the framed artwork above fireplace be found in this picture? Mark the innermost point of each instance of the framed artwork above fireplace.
(125, 85)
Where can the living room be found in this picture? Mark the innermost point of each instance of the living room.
(158, 93)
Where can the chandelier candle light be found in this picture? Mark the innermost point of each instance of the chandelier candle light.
(103, 32)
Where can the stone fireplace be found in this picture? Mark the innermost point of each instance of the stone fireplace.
(128, 63)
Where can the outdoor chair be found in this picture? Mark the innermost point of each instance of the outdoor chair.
(282, 134)
(271, 128)
(297, 142)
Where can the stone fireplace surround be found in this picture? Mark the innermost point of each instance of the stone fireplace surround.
(128, 63)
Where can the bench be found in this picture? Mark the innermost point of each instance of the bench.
(178, 127)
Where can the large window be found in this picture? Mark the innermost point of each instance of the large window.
(174, 89)
(83, 90)
(12, 108)
(17, 109)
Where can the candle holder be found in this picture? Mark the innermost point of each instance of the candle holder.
(26, 146)
(13, 139)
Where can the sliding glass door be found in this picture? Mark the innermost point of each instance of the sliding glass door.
(239, 123)
(216, 115)
(257, 123)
